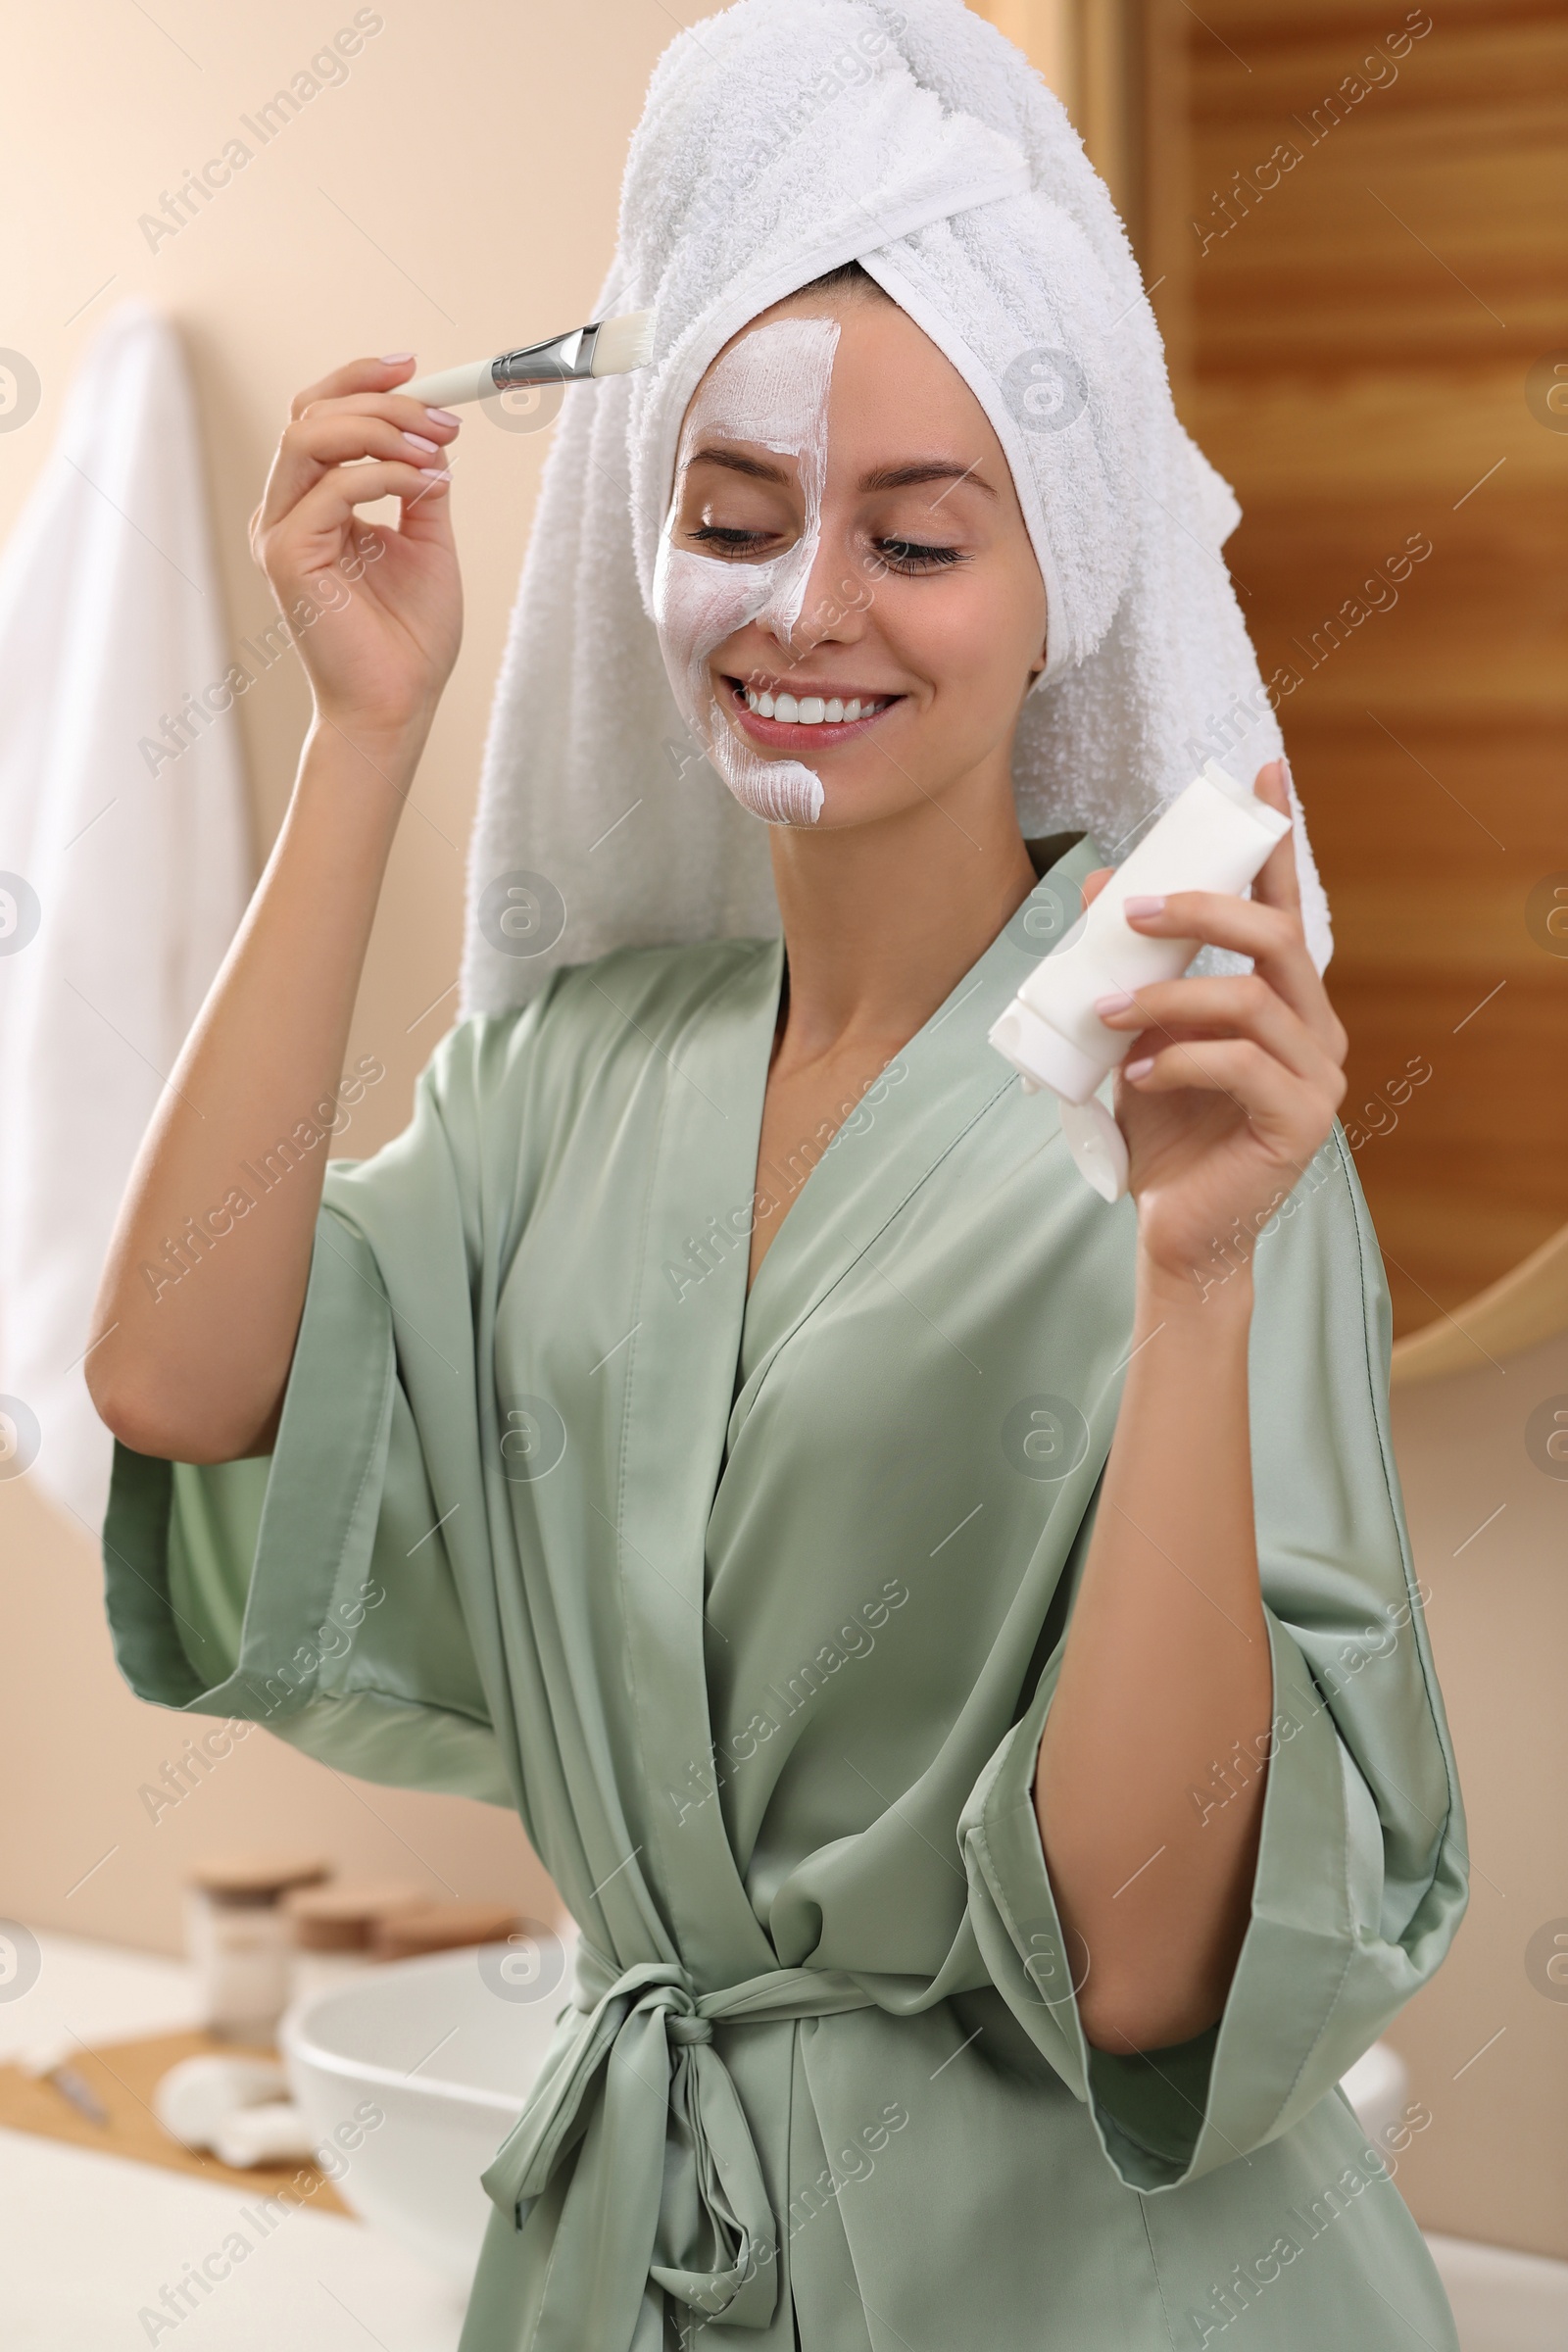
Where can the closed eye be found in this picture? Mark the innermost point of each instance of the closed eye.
(724, 541)
(905, 556)
(914, 555)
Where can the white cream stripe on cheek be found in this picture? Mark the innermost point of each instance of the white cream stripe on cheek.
(771, 389)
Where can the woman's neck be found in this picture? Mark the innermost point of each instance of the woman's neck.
(881, 921)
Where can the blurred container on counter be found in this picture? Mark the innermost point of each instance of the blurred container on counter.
(333, 1928)
(238, 1938)
(442, 1927)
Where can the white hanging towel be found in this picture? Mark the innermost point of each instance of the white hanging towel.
(125, 859)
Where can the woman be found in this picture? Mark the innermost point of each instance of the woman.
(952, 1640)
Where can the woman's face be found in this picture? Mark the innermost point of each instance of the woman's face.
(845, 531)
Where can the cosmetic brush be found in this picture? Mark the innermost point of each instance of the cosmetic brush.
(608, 347)
(72, 2086)
(49, 2061)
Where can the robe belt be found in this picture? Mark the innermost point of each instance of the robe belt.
(665, 2132)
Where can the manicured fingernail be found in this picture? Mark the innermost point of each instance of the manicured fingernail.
(395, 359)
(1117, 1002)
(1134, 907)
(442, 416)
(1289, 778)
(420, 442)
(1138, 1069)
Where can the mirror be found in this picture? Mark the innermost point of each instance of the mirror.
(1329, 220)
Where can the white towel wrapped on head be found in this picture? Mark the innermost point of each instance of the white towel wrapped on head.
(779, 140)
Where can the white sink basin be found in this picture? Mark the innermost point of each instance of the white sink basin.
(447, 2048)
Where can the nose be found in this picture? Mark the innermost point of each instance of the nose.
(833, 599)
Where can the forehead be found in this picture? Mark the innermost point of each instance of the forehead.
(857, 366)
(769, 384)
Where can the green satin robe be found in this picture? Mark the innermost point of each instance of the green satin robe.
(754, 1609)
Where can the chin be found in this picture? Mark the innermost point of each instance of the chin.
(850, 801)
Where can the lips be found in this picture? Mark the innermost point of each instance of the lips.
(807, 724)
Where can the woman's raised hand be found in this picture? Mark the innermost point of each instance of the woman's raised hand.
(1232, 1081)
(194, 1367)
(376, 614)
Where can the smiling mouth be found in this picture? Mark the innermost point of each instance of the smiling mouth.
(790, 720)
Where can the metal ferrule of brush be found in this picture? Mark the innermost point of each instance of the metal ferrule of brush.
(563, 360)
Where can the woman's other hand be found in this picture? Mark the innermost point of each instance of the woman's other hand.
(376, 614)
(1232, 1082)
(1229, 1089)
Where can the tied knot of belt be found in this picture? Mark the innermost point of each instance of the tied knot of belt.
(666, 2185)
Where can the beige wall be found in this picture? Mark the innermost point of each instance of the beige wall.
(456, 194)
(1494, 2161)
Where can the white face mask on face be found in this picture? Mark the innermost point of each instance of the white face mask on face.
(770, 389)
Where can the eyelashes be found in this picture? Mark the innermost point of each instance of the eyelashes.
(914, 555)
(722, 542)
(908, 557)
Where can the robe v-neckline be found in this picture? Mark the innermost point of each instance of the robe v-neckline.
(949, 1060)
(691, 1333)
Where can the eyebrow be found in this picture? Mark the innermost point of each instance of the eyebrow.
(881, 478)
(924, 469)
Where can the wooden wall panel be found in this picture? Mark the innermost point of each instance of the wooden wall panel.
(1350, 346)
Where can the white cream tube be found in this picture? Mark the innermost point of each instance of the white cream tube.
(1214, 836)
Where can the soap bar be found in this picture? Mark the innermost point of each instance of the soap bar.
(276, 2133)
(196, 2098)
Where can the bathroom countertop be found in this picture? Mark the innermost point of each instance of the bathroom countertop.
(102, 1992)
(123, 2079)
(89, 2243)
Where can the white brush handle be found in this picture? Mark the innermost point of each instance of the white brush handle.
(452, 387)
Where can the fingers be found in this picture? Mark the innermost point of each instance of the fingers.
(1267, 926)
(1291, 1119)
(331, 504)
(314, 533)
(1268, 1042)
(355, 375)
(1278, 883)
(1271, 935)
(1249, 926)
(1241, 1005)
(340, 433)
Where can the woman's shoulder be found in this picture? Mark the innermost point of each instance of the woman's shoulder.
(658, 984)
(633, 996)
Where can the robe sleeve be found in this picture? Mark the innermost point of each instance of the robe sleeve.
(1360, 1877)
(317, 1590)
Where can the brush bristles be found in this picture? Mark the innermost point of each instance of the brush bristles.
(624, 344)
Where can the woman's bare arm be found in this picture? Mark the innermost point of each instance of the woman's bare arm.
(1231, 1087)
(194, 1367)
(1166, 1674)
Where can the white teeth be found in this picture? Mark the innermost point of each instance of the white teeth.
(809, 709)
